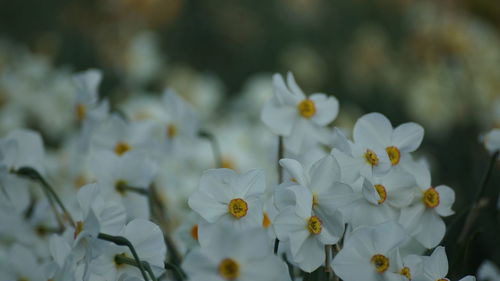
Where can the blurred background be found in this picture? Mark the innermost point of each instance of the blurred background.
(433, 62)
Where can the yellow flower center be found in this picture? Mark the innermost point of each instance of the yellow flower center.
(80, 111)
(194, 232)
(23, 279)
(306, 108)
(266, 222)
(314, 225)
(171, 131)
(431, 198)
(405, 271)
(394, 154)
(443, 279)
(227, 163)
(382, 193)
(78, 229)
(238, 208)
(122, 147)
(371, 157)
(380, 262)
(229, 269)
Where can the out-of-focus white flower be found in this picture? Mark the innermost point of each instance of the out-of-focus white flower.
(20, 264)
(225, 196)
(181, 122)
(22, 148)
(86, 84)
(366, 253)
(296, 117)
(148, 241)
(492, 140)
(235, 255)
(488, 271)
(119, 136)
(117, 173)
(422, 219)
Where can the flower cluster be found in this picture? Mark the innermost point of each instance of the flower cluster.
(124, 204)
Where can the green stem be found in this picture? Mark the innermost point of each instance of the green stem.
(125, 260)
(215, 147)
(177, 271)
(33, 174)
(122, 241)
(281, 151)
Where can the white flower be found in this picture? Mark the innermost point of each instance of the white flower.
(367, 155)
(148, 241)
(366, 253)
(296, 117)
(423, 219)
(381, 198)
(20, 264)
(492, 140)
(120, 137)
(225, 196)
(434, 267)
(376, 130)
(86, 84)
(243, 255)
(117, 173)
(488, 271)
(180, 127)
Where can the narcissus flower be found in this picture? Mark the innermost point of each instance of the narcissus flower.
(381, 198)
(86, 84)
(376, 129)
(118, 174)
(367, 251)
(293, 115)
(225, 196)
(148, 241)
(243, 255)
(422, 219)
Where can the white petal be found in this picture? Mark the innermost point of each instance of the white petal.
(323, 173)
(437, 264)
(286, 223)
(204, 204)
(407, 137)
(279, 118)
(251, 183)
(446, 199)
(295, 89)
(387, 236)
(310, 254)
(218, 182)
(373, 130)
(295, 170)
(433, 229)
(327, 109)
